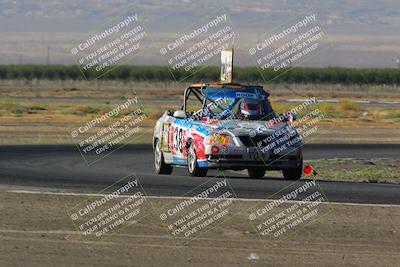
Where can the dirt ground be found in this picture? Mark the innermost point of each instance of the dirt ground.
(36, 231)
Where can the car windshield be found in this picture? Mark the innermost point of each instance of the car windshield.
(228, 103)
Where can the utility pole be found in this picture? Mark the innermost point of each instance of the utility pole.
(48, 56)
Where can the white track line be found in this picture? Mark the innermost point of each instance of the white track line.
(174, 197)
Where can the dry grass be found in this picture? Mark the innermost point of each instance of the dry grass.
(71, 88)
(44, 111)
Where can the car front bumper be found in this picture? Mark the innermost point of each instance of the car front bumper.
(242, 158)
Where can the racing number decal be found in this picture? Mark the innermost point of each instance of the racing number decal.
(177, 140)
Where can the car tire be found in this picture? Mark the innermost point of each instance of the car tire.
(159, 164)
(193, 167)
(293, 173)
(256, 173)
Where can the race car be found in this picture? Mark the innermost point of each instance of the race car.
(227, 127)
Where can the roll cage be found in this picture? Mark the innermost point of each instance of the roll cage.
(198, 91)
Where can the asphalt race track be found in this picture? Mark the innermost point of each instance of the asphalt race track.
(62, 168)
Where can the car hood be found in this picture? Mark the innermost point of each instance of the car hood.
(240, 127)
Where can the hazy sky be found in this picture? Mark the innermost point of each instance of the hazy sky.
(362, 33)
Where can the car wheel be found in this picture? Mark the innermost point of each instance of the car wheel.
(160, 166)
(193, 167)
(256, 172)
(293, 173)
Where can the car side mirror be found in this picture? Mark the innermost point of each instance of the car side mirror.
(180, 114)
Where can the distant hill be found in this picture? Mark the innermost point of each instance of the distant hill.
(363, 33)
